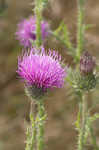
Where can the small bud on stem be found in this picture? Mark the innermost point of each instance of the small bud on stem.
(87, 63)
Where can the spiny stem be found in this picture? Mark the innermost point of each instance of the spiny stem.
(79, 115)
(78, 122)
(81, 27)
(38, 11)
(82, 130)
(33, 128)
(31, 131)
(41, 120)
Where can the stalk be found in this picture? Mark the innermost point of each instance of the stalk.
(33, 128)
(31, 131)
(81, 27)
(38, 13)
(83, 123)
(41, 120)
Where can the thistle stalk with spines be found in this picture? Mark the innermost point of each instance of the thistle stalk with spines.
(83, 107)
(80, 43)
(41, 117)
(83, 111)
(40, 104)
(38, 14)
(31, 131)
(81, 29)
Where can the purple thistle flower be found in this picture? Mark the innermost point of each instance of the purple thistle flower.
(87, 63)
(41, 70)
(26, 32)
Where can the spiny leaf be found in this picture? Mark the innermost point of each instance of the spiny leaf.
(59, 29)
(62, 29)
(67, 40)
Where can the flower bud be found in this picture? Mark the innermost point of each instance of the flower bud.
(87, 63)
(34, 92)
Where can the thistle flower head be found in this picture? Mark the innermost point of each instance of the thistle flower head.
(41, 70)
(87, 63)
(26, 32)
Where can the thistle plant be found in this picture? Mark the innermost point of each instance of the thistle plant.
(83, 80)
(42, 71)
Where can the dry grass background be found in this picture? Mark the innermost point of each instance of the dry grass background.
(61, 108)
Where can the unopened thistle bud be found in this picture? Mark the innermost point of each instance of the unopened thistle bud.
(87, 63)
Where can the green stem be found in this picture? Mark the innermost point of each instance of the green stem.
(41, 120)
(78, 122)
(82, 130)
(38, 11)
(33, 128)
(31, 131)
(80, 32)
(79, 114)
